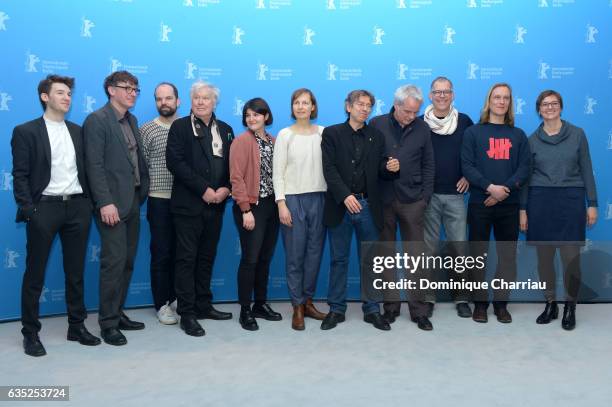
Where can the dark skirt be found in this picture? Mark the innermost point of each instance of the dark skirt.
(556, 214)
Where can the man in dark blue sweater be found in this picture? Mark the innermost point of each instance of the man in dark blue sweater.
(447, 207)
(495, 160)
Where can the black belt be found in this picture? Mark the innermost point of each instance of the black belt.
(57, 198)
(360, 195)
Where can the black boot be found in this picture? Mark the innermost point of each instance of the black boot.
(550, 312)
(569, 316)
(247, 320)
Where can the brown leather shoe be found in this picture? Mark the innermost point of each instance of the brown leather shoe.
(297, 322)
(311, 312)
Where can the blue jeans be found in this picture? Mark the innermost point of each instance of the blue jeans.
(340, 238)
(447, 210)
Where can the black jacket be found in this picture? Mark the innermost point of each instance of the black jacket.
(415, 154)
(32, 163)
(189, 159)
(338, 169)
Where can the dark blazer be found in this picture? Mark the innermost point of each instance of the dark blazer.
(338, 169)
(189, 159)
(32, 163)
(109, 168)
(415, 154)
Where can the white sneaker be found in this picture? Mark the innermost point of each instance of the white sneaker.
(173, 305)
(166, 316)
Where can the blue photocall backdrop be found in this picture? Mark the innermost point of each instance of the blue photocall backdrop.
(268, 48)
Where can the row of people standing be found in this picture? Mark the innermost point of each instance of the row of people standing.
(339, 178)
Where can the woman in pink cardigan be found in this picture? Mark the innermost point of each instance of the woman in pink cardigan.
(255, 211)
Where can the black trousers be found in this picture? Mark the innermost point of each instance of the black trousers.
(257, 248)
(410, 218)
(570, 258)
(71, 220)
(196, 247)
(504, 221)
(119, 244)
(162, 249)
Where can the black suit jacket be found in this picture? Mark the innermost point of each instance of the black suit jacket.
(189, 159)
(338, 169)
(109, 167)
(32, 163)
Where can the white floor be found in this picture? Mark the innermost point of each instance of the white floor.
(459, 363)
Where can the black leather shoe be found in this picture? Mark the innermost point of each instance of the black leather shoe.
(81, 335)
(464, 310)
(430, 308)
(480, 313)
(503, 315)
(126, 324)
(331, 320)
(113, 336)
(550, 312)
(423, 323)
(212, 313)
(32, 345)
(247, 320)
(191, 326)
(569, 316)
(390, 316)
(377, 320)
(264, 311)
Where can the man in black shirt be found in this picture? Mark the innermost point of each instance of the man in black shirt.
(352, 159)
(405, 198)
(197, 154)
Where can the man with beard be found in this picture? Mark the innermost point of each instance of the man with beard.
(197, 155)
(154, 140)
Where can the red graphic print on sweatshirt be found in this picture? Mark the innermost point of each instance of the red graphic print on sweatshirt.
(499, 148)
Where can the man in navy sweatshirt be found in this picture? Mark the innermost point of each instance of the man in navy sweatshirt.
(495, 160)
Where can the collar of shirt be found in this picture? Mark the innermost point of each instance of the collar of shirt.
(118, 115)
(360, 131)
(197, 123)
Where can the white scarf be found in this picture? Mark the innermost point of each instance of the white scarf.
(444, 126)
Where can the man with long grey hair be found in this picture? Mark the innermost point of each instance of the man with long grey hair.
(197, 155)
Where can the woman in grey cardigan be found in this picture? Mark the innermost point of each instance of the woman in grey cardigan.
(553, 210)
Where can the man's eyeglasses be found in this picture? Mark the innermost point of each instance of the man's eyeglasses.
(362, 105)
(129, 89)
(442, 92)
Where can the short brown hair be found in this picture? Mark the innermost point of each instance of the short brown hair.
(116, 77)
(546, 94)
(485, 114)
(299, 92)
(44, 86)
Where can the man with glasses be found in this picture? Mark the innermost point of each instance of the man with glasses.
(119, 181)
(495, 160)
(447, 206)
(352, 159)
(405, 198)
